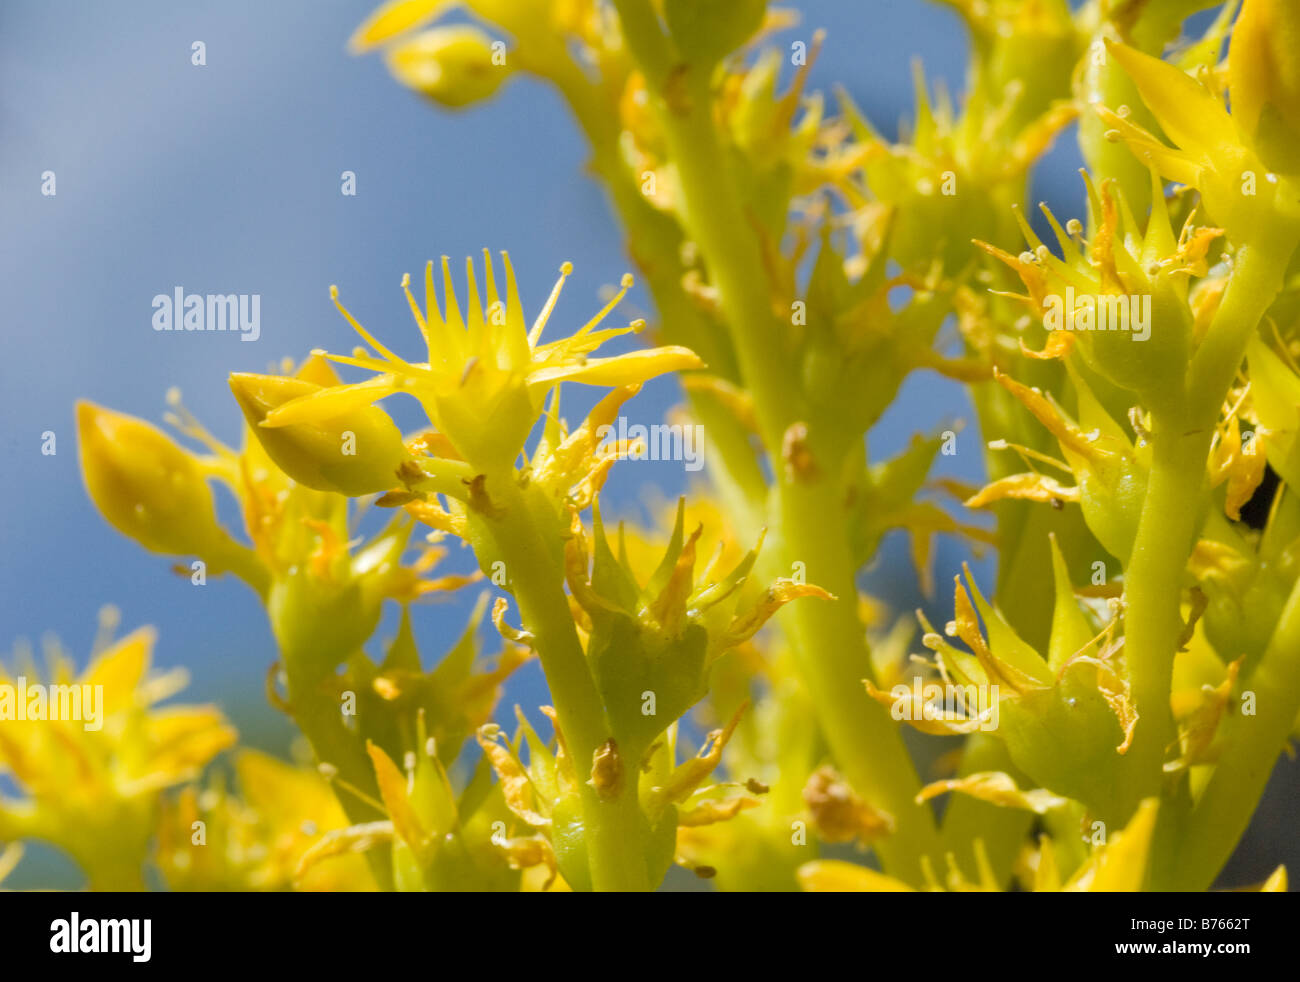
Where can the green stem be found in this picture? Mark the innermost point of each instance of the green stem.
(1153, 583)
(614, 824)
(1256, 281)
(1172, 513)
(830, 646)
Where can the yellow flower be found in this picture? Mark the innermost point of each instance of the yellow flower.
(303, 554)
(1275, 401)
(254, 839)
(487, 374)
(91, 784)
(572, 467)
(1244, 579)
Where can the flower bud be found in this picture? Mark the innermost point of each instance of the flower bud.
(147, 486)
(453, 66)
(1264, 80)
(354, 453)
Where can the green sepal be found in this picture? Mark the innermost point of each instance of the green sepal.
(1065, 738)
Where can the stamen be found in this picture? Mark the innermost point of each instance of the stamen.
(1028, 454)
(331, 774)
(375, 365)
(185, 422)
(334, 295)
(624, 285)
(535, 334)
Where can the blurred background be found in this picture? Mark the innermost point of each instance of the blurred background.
(225, 178)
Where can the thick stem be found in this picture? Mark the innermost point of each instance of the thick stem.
(830, 646)
(614, 825)
(1255, 284)
(1172, 515)
(1153, 583)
